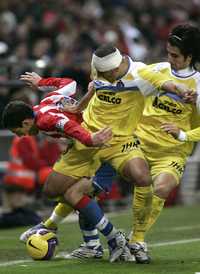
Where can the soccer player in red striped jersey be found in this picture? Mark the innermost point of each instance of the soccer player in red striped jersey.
(48, 116)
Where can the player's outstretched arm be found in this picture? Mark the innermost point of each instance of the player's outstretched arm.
(188, 95)
(150, 80)
(70, 128)
(82, 104)
(99, 138)
(31, 79)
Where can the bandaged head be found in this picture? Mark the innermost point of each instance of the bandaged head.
(108, 62)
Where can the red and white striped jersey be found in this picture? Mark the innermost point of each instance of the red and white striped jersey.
(49, 117)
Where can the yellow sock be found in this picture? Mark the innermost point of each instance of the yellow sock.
(142, 202)
(157, 206)
(59, 213)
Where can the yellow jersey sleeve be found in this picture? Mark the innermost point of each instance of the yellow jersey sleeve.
(193, 135)
(150, 79)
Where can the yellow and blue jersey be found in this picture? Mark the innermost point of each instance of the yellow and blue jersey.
(168, 107)
(119, 105)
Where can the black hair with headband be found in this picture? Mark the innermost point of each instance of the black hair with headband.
(187, 38)
(104, 50)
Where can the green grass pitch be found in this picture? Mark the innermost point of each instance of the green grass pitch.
(174, 245)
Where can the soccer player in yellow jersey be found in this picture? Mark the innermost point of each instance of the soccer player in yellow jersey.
(118, 102)
(167, 156)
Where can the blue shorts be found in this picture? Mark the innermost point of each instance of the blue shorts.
(102, 181)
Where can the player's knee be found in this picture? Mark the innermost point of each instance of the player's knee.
(162, 191)
(143, 179)
(138, 173)
(68, 195)
(71, 195)
(84, 186)
(75, 192)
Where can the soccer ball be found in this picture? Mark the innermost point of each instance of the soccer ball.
(42, 245)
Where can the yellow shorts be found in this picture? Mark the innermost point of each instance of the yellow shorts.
(174, 165)
(82, 161)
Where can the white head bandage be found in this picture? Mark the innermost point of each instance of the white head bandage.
(107, 62)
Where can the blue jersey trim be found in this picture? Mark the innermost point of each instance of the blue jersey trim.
(183, 77)
(117, 89)
(173, 96)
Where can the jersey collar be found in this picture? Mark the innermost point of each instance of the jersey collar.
(184, 73)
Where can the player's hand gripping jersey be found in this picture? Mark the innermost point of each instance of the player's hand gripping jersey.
(50, 119)
(168, 108)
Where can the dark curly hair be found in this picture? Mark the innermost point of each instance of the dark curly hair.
(186, 37)
(15, 113)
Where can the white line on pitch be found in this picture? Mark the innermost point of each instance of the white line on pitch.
(10, 263)
(175, 242)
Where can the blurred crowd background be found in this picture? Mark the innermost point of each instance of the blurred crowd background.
(57, 38)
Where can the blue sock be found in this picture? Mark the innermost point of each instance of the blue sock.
(94, 215)
(89, 232)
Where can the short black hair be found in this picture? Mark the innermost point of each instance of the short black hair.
(104, 50)
(186, 37)
(15, 113)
